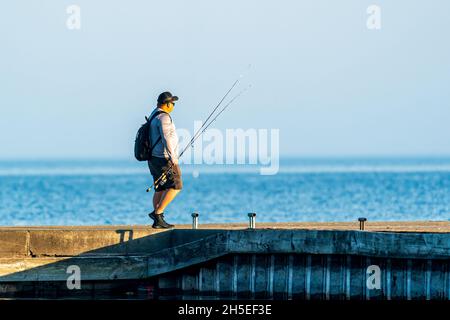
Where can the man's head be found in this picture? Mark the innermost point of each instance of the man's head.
(166, 101)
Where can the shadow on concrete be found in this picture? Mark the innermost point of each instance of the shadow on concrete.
(119, 270)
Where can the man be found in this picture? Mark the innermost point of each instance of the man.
(164, 160)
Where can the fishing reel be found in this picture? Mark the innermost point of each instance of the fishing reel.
(164, 176)
(163, 180)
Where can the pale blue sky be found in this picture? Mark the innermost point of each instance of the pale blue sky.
(329, 84)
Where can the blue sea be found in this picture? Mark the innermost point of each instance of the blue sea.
(109, 192)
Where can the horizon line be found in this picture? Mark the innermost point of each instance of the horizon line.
(284, 157)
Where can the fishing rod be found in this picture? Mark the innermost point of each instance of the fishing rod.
(217, 115)
(231, 101)
(201, 131)
(210, 115)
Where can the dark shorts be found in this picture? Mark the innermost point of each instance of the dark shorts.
(158, 166)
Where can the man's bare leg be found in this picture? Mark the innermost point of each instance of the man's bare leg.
(166, 198)
(157, 199)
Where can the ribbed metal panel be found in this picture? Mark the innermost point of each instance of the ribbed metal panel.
(300, 276)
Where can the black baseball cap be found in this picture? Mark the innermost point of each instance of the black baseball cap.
(166, 97)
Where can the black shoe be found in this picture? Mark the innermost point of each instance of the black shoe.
(155, 216)
(159, 223)
(162, 217)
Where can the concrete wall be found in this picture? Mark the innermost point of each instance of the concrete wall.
(309, 277)
(261, 263)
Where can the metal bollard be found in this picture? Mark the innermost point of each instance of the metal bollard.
(252, 220)
(194, 220)
(361, 223)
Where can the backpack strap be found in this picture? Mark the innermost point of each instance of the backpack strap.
(149, 123)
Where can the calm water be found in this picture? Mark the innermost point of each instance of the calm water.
(113, 192)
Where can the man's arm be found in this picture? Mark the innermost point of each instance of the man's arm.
(169, 136)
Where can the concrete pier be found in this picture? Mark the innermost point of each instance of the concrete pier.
(389, 260)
